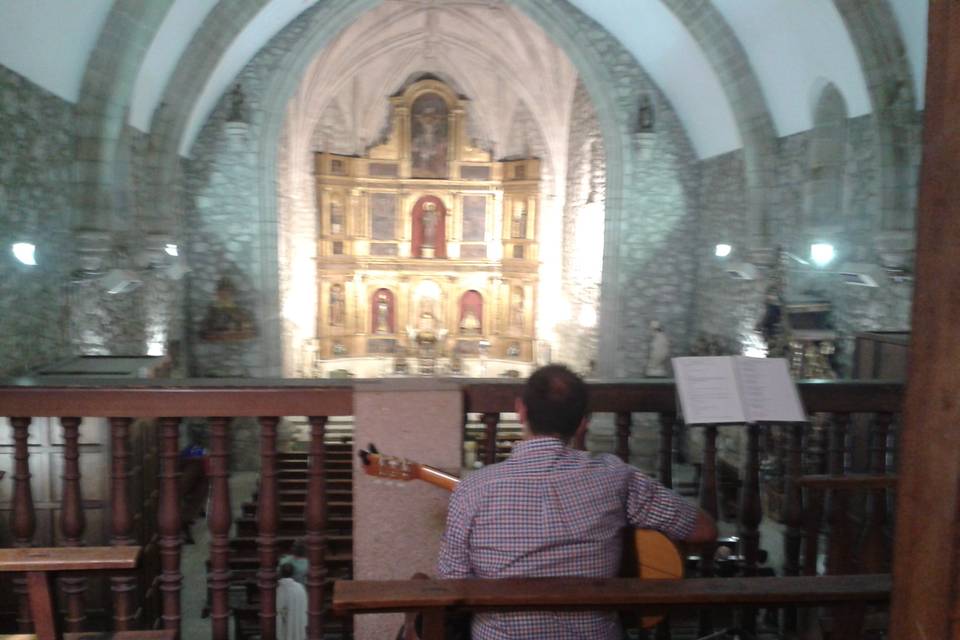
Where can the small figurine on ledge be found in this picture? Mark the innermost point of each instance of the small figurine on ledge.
(659, 353)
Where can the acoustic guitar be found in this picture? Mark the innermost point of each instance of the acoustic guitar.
(649, 554)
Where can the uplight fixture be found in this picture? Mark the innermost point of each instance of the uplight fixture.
(722, 250)
(822, 253)
(172, 249)
(25, 252)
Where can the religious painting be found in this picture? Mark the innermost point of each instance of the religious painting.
(381, 310)
(429, 228)
(429, 136)
(471, 313)
(337, 305)
(226, 320)
(383, 214)
(474, 218)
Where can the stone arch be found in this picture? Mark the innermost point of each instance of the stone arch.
(825, 186)
(740, 83)
(566, 31)
(102, 106)
(877, 39)
(612, 93)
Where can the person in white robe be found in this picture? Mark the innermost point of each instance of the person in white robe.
(291, 606)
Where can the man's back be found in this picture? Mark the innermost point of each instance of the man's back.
(552, 511)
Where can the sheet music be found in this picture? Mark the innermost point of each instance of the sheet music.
(767, 391)
(708, 390)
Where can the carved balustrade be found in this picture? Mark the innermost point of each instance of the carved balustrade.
(834, 486)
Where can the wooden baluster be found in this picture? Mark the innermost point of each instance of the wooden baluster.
(813, 504)
(793, 514)
(168, 525)
(267, 525)
(708, 502)
(666, 479)
(847, 620)
(72, 522)
(490, 421)
(666, 449)
(219, 522)
(23, 519)
(121, 523)
(316, 516)
(875, 554)
(840, 543)
(623, 422)
(750, 515)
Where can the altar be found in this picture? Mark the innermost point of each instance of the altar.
(427, 258)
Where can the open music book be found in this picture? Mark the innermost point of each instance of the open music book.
(736, 389)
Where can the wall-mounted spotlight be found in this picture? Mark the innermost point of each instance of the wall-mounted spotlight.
(722, 250)
(25, 252)
(172, 249)
(822, 253)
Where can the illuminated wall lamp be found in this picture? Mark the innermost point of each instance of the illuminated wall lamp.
(25, 252)
(822, 253)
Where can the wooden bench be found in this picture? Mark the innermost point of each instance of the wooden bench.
(435, 597)
(40, 564)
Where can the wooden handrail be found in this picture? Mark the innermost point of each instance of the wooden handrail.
(68, 559)
(380, 596)
(848, 483)
(660, 396)
(156, 399)
(230, 398)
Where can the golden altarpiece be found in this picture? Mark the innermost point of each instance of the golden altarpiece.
(427, 247)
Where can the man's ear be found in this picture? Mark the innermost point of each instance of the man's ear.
(581, 431)
(521, 409)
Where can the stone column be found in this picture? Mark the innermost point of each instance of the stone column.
(397, 525)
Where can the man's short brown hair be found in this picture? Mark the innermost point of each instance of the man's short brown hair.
(556, 401)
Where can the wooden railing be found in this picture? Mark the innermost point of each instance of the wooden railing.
(848, 419)
(816, 458)
(435, 599)
(168, 405)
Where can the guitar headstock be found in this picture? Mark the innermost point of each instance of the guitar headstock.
(382, 466)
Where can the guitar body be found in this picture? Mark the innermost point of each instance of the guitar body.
(647, 554)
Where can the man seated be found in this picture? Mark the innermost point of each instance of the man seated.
(550, 510)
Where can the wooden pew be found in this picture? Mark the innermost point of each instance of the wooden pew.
(435, 597)
(40, 564)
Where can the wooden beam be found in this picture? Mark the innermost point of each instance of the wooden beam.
(369, 596)
(926, 566)
(68, 559)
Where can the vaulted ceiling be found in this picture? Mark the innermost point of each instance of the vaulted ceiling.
(792, 47)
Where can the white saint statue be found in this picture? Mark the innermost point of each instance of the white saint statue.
(659, 352)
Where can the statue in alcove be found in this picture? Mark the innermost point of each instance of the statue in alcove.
(429, 225)
(337, 312)
(518, 228)
(645, 115)
(516, 309)
(382, 313)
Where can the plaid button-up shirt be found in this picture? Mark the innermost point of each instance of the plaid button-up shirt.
(550, 510)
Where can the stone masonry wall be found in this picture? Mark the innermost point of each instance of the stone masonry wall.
(582, 236)
(730, 309)
(37, 148)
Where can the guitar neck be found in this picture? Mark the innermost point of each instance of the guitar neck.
(436, 477)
